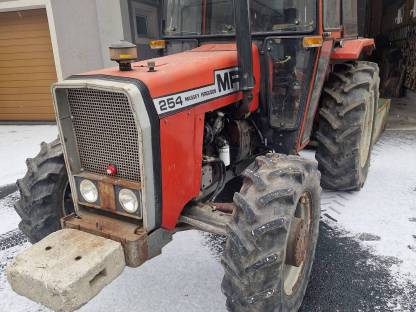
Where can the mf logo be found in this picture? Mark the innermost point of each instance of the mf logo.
(228, 80)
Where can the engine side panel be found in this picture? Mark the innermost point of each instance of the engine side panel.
(181, 152)
(181, 149)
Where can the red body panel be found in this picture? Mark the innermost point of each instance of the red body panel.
(183, 71)
(352, 49)
(181, 133)
(181, 149)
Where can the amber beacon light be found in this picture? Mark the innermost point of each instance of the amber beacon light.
(124, 53)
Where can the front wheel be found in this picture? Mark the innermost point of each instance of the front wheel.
(273, 235)
(45, 195)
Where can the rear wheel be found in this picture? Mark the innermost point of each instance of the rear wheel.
(273, 234)
(45, 195)
(346, 125)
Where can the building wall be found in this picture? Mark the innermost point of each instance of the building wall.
(81, 31)
(77, 35)
(111, 26)
(125, 17)
(85, 29)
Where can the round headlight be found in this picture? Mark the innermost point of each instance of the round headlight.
(88, 191)
(128, 200)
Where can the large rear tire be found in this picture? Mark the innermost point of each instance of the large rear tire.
(272, 236)
(45, 195)
(346, 125)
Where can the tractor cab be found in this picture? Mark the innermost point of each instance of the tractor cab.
(216, 18)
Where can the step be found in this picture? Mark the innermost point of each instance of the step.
(66, 269)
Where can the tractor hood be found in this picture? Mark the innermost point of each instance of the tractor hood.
(189, 78)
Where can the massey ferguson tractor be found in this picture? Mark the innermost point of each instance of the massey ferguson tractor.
(150, 148)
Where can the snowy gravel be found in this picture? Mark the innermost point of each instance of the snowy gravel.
(9, 219)
(381, 216)
(366, 253)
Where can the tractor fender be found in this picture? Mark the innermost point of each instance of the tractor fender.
(352, 49)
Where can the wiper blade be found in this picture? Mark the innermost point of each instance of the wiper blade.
(181, 33)
(289, 26)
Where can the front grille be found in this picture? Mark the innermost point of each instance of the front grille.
(105, 132)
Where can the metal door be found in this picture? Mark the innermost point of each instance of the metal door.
(145, 27)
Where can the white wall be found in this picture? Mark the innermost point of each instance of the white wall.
(110, 26)
(76, 28)
(125, 16)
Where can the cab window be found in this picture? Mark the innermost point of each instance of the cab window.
(332, 14)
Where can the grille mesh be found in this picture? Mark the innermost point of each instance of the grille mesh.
(105, 132)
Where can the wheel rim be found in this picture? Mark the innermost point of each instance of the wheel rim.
(298, 245)
(67, 201)
(366, 131)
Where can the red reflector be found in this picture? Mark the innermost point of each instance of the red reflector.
(111, 169)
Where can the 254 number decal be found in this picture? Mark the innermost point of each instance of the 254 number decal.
(168, 104)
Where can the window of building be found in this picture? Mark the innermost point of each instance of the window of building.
(141, 24)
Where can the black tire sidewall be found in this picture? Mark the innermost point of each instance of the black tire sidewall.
(61, 187)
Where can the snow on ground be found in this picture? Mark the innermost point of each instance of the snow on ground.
(18, 143)
(187, 277)
(383, 215)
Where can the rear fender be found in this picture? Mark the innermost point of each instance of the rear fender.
(352, 49)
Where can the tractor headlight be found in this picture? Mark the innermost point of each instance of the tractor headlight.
(88, 191)
(128, 200)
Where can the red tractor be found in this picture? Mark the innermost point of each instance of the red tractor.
(154, 147)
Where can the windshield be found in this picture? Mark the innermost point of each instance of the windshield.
(216, 17)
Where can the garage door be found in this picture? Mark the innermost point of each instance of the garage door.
(27, 68)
